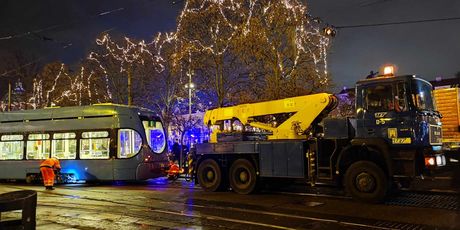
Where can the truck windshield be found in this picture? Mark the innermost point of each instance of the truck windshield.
(422, 95)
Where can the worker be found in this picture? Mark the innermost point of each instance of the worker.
(372, 74)
(47, 168)
(176, 150)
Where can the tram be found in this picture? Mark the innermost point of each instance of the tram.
(102, 142)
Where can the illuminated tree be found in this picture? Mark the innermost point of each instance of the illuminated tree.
(205, 35)
(55, 85)
(89, 85)
(162, 85)
(254, 49)
(285, 49)
(118, 60)
(51, 86)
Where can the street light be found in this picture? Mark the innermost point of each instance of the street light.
(190, 86)
(329, 31)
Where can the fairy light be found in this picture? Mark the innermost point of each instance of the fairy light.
(75, 90)
(232, 18)
(309, 40)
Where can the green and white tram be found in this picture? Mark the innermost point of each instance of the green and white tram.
(103, 142)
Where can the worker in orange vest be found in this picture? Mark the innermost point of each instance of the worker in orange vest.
(47, 168)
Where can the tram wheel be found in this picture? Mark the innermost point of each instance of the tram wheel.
(30, 179)
(209, 175)
(366, 181)
(242, 177)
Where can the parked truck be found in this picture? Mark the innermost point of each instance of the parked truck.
(394, 137)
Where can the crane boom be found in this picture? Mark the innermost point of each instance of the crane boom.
(302, 110)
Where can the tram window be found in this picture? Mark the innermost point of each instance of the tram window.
(94, 145)
(38, 147)
(95, 134)
(11, 147)
(155, 135)
(129, 143)
(64, 146)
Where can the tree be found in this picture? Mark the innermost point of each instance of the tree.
(118, 60)
(182, 122)
(89, 85)
(205, 35)
(286, 51)
(162, 86)
(346, 104)
(20, 70)
(254, 50)
(52, 86)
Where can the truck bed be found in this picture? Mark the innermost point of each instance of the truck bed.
(447, 101)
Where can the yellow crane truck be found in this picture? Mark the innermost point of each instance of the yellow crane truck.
(395, 136)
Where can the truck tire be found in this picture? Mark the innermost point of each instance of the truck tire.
(366, 181)
(209, 175)
(242, 177)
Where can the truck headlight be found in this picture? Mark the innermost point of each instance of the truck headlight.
(438, 160)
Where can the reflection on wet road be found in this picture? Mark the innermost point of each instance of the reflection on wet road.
(161, 204)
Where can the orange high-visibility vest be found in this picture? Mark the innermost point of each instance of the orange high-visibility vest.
(51, 163)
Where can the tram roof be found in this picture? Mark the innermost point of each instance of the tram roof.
(75, 112)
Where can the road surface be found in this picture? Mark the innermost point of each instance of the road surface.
(162, 204)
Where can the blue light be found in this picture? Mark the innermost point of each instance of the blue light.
(437, 148)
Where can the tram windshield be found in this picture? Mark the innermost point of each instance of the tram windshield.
(155, 133)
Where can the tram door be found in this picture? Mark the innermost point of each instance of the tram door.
(126, 155)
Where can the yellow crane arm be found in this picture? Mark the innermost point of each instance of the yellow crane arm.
(303, 110)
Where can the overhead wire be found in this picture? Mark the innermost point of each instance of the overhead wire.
(36, 34)
(53, 27)
(398, 23)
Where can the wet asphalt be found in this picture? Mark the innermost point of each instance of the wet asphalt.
(163, 204)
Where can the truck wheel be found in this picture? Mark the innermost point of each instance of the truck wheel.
(366, 181)
(209, 175)
(242, 177)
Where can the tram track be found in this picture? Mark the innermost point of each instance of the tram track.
(236, 212)
(436, 199)
(211, 208)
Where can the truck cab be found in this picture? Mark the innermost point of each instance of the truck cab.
(401, 111)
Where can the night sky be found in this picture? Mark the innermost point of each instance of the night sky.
(70, 28)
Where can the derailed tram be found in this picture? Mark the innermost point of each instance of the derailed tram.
(103, 142)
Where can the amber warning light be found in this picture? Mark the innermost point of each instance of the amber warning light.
(388, 70)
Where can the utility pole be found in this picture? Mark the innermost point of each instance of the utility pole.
(9, 96)
(190, 87)
(130, 96)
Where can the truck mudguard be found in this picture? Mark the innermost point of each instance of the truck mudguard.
(377, 145)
